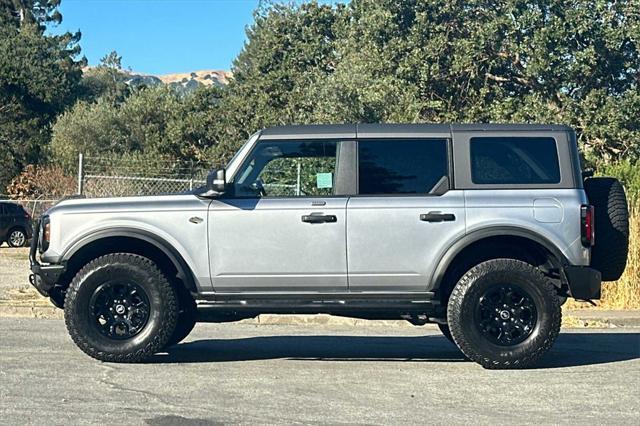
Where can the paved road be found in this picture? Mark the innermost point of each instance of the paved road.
(238, 373)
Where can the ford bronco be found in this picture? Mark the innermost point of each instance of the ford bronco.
(482, 229)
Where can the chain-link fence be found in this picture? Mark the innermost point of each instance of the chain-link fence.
(107, 177)
(118, 177)
(35, 207)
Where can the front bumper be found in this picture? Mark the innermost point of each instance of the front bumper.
(43, 277)
(584, 282)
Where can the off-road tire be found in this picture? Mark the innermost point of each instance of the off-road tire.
(24, 237)
(162, 299)
(609, 254)
(187, 316)
(444, 329)
(465, 298)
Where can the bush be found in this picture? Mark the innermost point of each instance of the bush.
(629, 174)
(41, 182)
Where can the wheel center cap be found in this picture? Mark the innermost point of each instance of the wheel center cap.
(505, 315)
(120, 309)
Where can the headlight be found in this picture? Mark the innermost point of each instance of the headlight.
(45, 234)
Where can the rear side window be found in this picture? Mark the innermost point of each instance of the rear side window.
(401, 166)
(513, 160)
(14, 209)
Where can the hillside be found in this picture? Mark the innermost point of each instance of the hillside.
(184, 81)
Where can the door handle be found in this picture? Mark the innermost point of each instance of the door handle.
(319, 218)
(437, 217)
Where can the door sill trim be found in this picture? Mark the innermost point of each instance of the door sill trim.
(417, 296)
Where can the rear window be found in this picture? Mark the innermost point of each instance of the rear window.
(401, 166)
(513, 160)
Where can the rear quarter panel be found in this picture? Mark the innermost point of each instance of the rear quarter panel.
(553, 214)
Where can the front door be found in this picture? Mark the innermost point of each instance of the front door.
(405, 215)
(282, 226)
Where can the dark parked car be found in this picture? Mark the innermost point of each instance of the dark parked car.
(15, 224)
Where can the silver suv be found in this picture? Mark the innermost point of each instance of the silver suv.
(482, 229)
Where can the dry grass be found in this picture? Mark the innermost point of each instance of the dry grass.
(624, 293)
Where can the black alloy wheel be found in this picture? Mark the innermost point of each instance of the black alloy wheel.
(121, 307)
(120, 310)
(506, 315)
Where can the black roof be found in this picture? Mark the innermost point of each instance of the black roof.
(333, 131)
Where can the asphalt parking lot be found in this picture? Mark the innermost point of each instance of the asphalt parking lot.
(241, 373)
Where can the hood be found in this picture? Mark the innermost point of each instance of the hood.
(101, 205)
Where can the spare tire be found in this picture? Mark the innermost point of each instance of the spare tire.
(609, 254)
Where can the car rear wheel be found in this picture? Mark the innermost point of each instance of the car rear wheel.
(503, 313)
(17, 238)
(120, 308)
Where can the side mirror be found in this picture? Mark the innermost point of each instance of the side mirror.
(216, 183)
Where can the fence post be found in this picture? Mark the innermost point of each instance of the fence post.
(80, 173)
(298, 186)
(191, 173)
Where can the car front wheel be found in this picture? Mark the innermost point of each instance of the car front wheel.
(503, 313)
(120, 308)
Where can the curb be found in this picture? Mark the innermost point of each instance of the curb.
(570, 319)
(25, 303)
(628, 318)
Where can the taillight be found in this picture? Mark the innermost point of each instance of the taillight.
(587, 225)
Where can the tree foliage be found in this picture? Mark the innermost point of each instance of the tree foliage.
(573, 62)
(107, 81)
(156, 122)
(38, 80)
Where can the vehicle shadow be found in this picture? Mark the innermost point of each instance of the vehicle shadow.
(570, 350)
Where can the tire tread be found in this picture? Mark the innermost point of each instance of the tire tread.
(455, 307)
(169, 314)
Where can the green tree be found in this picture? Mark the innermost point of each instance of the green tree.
(108, 80)
(154, 122)
(19, 13)
(89, 128)
(38, 80)
(290, 51)
(573, 62)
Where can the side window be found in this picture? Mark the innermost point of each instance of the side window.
(401, 166)
(288, 169)
(514, 160)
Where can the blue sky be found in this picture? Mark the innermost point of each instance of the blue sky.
(160, 36)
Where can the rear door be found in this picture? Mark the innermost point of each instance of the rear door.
(404, 216)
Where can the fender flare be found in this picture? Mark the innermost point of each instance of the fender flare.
(507, 231)
(183, 269)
